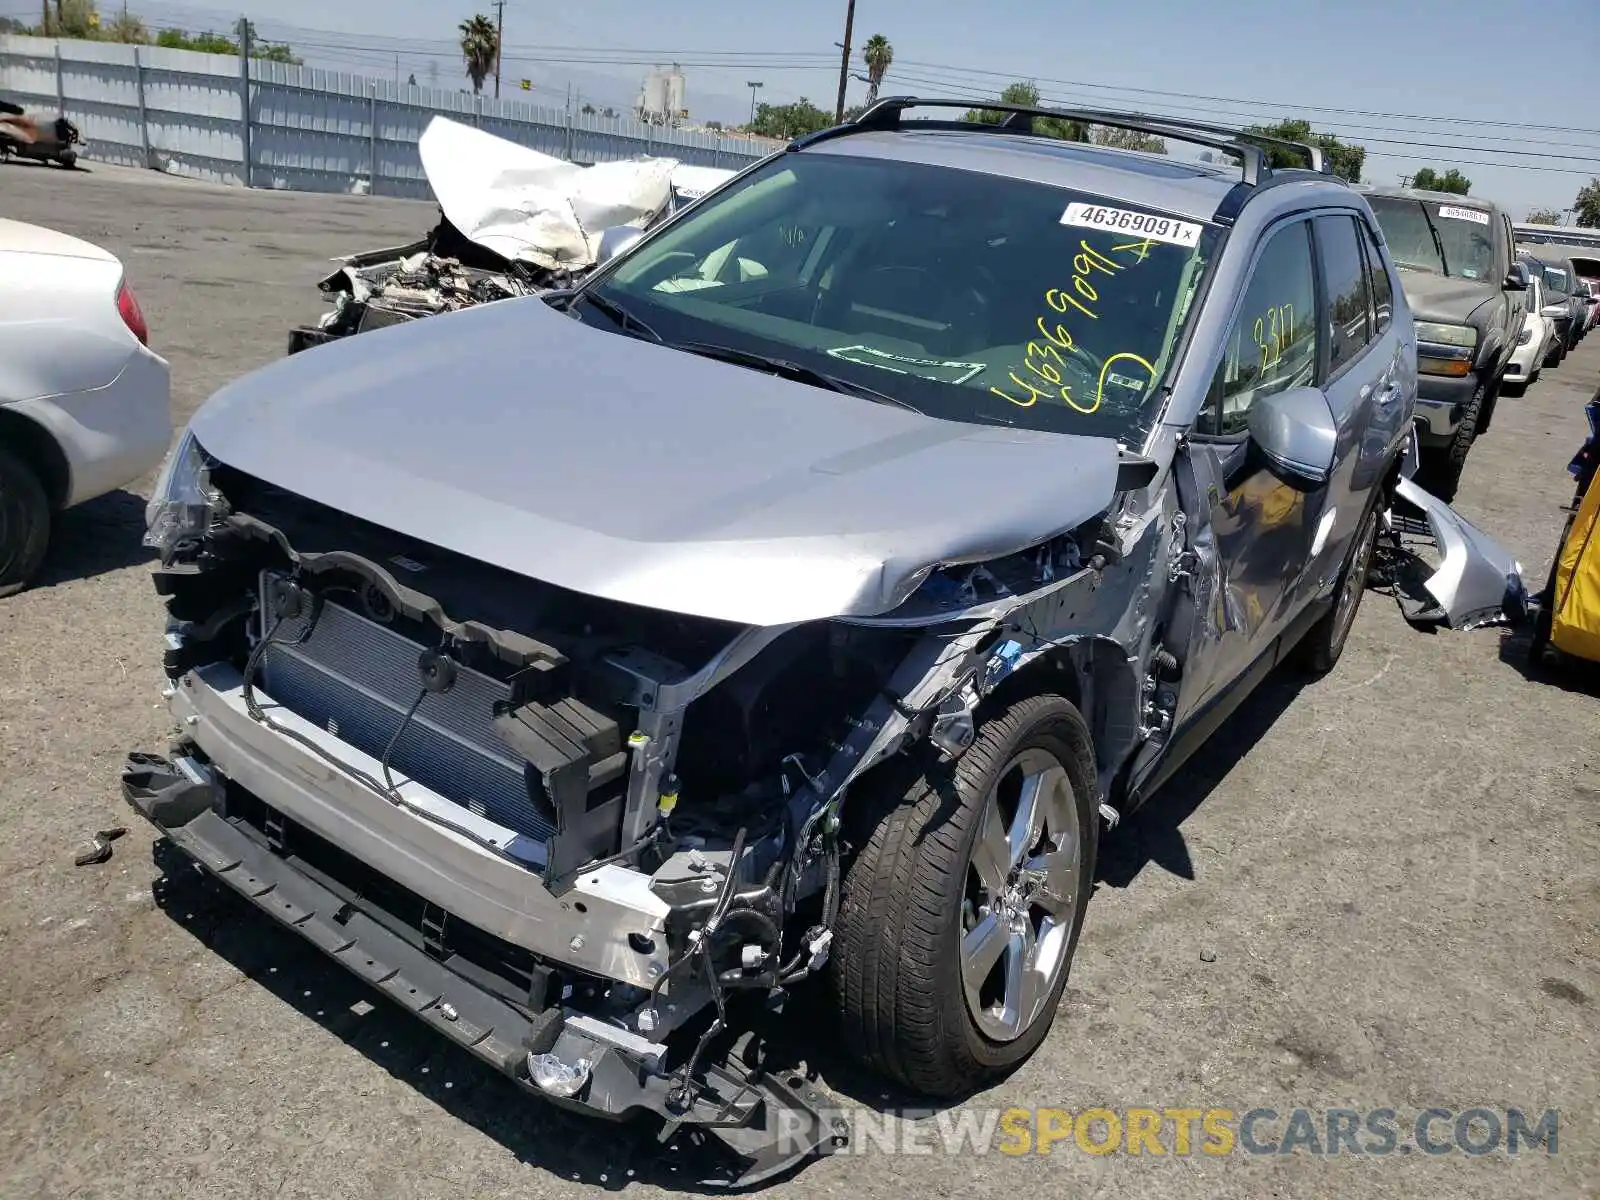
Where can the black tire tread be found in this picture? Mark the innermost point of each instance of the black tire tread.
(26, 518)
(893, 917)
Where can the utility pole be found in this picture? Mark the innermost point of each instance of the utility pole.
(753, 84)
(248, 161)
(499, 37)
(844, 61)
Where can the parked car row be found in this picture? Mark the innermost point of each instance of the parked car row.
(804, 592)
(1572, 285)
(1492, 309)
(1459, 270)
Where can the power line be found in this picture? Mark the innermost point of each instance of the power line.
(1237, 100)
(1280, 112)
(1434, 147)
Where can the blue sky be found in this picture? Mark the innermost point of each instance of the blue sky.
(1441, 58)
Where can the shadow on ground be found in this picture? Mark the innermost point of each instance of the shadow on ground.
(1552, 669)
(1154, 834)
(96, 538)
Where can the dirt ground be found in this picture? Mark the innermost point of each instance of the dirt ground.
(1379, 890)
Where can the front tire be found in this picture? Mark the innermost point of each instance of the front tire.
(24, 524)
(1441, 469)
(1486, 411)
(960, 913)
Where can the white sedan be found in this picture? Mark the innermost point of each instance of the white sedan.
(85, 405)
(1535, 344)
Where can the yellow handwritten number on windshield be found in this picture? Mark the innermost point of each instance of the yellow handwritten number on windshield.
(1042, 359)
(1274, 331)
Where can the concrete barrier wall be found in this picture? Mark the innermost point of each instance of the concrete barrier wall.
(309, 129)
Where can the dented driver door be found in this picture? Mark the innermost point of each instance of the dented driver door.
(1250, 533)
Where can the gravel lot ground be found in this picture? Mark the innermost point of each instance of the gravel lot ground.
(1380, 890)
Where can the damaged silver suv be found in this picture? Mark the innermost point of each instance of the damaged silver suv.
(802, 595)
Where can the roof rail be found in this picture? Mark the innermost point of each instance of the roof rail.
(1314, 156)
(885, 114)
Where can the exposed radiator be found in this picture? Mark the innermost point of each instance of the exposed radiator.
(356, 678)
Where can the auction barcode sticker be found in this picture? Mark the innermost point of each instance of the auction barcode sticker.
(1122, 220)
(1476, 215)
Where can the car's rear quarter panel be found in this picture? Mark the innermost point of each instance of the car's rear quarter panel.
(70, 366)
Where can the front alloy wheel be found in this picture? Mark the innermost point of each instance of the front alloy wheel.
(960, 912)
(1022, 887)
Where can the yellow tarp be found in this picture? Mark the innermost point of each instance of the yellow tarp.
(1575, 627)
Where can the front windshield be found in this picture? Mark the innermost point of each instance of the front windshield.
(966, 296)
(1420, 231)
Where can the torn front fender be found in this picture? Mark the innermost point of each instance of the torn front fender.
(1477, 582)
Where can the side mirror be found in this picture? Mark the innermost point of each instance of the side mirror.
(1296, 431)
(1555, 310)
(1518, 278)
(615, 241)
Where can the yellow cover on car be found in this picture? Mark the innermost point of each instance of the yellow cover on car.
(1575, 619)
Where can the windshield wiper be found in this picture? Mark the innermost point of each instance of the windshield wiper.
(1438, 242)
(624, 319)
(788, 369)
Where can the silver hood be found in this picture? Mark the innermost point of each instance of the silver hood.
(515, 435)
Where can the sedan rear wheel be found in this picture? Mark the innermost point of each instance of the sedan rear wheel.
(24, 523)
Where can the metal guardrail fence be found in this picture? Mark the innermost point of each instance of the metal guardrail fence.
(308, 129)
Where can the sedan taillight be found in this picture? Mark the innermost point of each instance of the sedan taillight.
(132, 317)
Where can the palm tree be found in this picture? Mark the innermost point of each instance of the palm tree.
(479, 46)
(878, 54)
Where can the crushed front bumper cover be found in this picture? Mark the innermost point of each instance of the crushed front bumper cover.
(768, 1123)
(1476, 581)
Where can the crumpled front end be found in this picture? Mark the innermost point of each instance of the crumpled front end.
(596, 843)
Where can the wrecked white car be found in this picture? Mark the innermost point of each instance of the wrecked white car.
(513, 222)
(805, 593)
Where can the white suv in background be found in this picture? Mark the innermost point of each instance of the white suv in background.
(84, 403)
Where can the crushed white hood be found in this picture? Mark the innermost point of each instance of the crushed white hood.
(691, 182)
(533, 207)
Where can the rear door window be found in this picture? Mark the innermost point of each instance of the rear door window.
(1344, 274)
(1379, 284)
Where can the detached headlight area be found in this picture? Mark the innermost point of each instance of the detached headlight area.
(184, 506)
(1445, 349)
